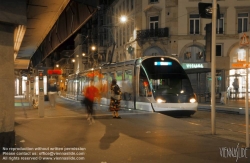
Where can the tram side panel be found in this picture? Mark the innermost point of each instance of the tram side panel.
(124, 76)
(104, 100)
(127, 88)
(143, 98)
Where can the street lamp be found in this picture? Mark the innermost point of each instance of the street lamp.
(123, 19)
(93, 48)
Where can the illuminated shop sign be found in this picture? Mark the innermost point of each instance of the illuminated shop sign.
(54, 72)
(194, 65)
(163, 63)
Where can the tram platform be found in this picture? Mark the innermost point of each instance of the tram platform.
(139, 137)
(234, 106)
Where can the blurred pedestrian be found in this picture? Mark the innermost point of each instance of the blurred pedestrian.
(90, 93)
(228, 92)
(52, 92)
(236, 87)
(115, 99)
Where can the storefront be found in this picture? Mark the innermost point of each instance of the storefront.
(200, 77)
(236, 80)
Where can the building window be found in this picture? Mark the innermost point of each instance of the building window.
(117, 19)
(120, 11)
(153, 1)
(132, 4)
(194, 24)
(242, 22)
(194, 53)
(153, 22)
(220, 25)
(117, 57)
(187, 55)
(199, 55)
(153, 26)
(218, 50)
(116, 39)
(128, 32)
(132, 28)
(120, 37)
(123, 7)
(127, 6)
(123, 35)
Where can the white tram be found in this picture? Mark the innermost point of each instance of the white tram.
(155, 83)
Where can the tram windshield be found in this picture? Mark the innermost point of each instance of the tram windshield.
(166, 76)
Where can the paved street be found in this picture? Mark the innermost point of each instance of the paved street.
(138, 137)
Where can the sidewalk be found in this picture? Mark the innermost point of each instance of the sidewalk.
(232, 106)
(139, 137)
(64, 108)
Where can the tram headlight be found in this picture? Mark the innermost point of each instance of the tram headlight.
(192, 100)
(160, 100)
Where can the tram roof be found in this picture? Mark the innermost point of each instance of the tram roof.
(118, 64)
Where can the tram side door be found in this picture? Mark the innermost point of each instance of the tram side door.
(127, 89)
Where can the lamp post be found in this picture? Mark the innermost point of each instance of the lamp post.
(213, 66)
(245, 50)
(209, 11)
(246, 102)
(244, 45)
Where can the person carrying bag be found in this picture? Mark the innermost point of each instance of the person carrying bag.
(115, 99)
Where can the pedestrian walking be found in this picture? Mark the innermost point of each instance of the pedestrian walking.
(236, 87)
(52, 92)
(115, 99)
(90, 93)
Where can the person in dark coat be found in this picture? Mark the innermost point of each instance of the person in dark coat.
(115, 99)
(52, 92)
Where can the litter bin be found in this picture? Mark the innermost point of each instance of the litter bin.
(223, 98)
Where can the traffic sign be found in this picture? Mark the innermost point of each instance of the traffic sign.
(244, 40)
(40, 74)
(206, 10)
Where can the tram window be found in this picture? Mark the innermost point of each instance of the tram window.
(76, 81)
(128, 76)
(104, 86)
(119, 78)
(144, 85)
(96, 80)
(85, 83)
(127, 84)
(171, 85)
(110, 77)
(81, 85)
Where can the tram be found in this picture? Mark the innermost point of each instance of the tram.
(155, 83)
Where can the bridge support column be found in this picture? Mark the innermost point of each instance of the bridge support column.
(12, 14)
(7, 78)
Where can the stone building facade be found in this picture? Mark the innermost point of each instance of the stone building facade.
(174, 28)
